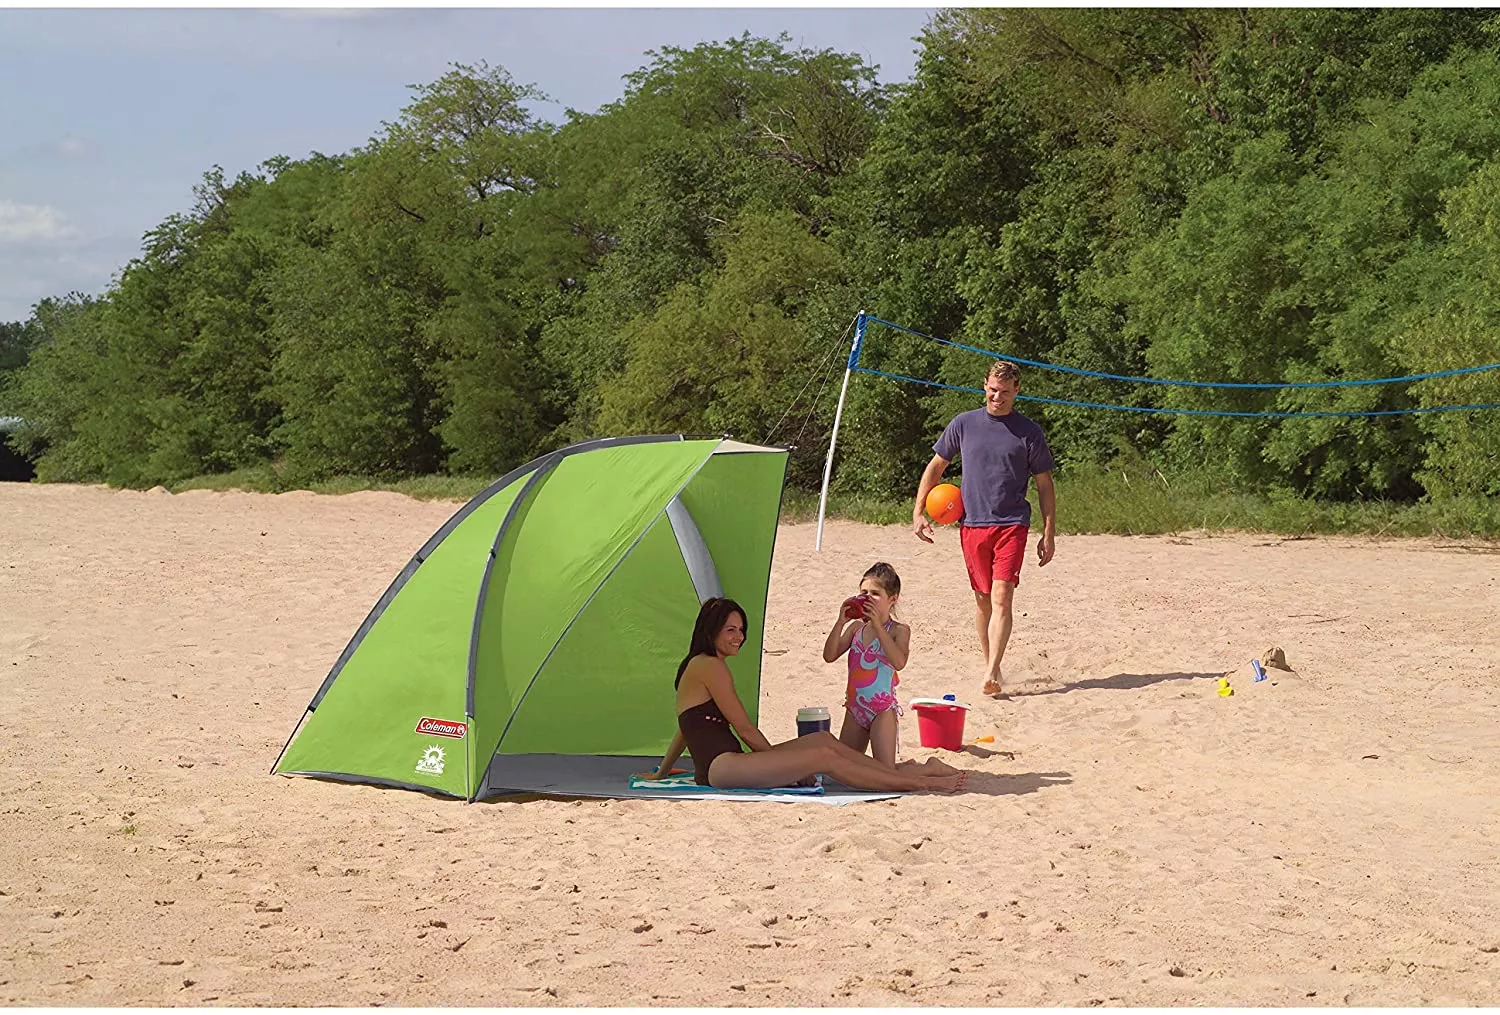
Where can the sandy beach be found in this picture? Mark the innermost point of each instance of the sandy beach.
(1325, 837)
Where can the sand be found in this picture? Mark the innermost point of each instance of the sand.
(1325, 837)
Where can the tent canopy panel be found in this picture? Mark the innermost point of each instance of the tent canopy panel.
(607, 689)
(568, 534)
(410, 665)
(735, 499)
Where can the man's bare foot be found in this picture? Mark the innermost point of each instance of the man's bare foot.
(993, 688)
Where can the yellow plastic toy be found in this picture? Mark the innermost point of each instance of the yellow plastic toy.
(1224, 689)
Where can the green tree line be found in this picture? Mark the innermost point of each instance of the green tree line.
(1208, 194)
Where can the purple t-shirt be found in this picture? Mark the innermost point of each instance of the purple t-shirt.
(1000, 455)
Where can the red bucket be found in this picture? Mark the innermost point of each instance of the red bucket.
(940, 723)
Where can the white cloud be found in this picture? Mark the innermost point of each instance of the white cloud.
(33, 272)
(30, 223)
(72, 147)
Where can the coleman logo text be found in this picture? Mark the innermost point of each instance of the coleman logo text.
(442, 728)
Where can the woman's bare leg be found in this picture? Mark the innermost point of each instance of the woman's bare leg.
(815, 741)
(930, 767)
(768, 769)
(820, 752)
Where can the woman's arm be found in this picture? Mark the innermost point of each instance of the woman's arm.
(720, 683)
(896, 642)
(674, 751)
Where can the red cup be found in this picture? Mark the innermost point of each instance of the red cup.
(854, 607)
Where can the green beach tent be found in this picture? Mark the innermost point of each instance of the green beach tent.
(548, 615)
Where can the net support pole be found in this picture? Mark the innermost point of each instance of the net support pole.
(838, 416)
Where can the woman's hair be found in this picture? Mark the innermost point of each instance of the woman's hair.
(712, 617)
(886, 577)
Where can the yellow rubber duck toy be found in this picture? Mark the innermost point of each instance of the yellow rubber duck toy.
(1224, 689)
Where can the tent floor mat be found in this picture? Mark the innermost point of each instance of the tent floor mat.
(608, 776)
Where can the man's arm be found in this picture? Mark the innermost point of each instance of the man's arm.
(1048, 498)
(921, 527)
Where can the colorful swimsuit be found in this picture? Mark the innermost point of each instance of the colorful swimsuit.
(872, 681)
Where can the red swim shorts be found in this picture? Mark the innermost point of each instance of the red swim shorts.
(993, 553)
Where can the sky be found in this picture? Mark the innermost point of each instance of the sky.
(110, 116)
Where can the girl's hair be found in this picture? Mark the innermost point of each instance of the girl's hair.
(886, 576)
(712, 617)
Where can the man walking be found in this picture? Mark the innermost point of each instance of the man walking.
(1001, 450)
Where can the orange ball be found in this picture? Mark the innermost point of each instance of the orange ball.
(945, 505)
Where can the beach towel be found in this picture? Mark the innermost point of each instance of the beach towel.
(686, 781)
(609, 776)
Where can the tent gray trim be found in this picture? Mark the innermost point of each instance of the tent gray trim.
(700, 563)
(369, 780)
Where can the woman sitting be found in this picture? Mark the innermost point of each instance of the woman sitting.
(710, 713)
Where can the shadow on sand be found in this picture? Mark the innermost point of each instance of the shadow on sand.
(1011, 783)
(1117, 682)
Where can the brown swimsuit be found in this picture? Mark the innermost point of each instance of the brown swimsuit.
(707, 735)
